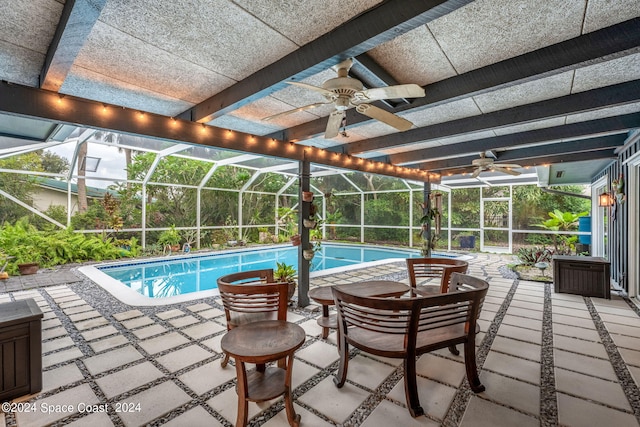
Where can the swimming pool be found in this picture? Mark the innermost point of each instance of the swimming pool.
(180, 278)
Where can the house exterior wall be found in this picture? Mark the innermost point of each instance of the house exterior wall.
(44, 198)
(619, 224)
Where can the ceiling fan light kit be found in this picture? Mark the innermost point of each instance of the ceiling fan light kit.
(346, 92)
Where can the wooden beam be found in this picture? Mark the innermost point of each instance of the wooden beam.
(615, 124)
(607, 96)
(37, 103)
(592, 48)
(356, 36)
(77, 21)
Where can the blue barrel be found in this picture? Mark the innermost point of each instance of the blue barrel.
(584, 224)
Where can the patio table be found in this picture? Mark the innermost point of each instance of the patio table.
(373, 288)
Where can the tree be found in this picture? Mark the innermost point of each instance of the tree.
(82, 183)
(20, 186)
(51, 162)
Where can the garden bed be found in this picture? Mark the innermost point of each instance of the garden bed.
(527, 272)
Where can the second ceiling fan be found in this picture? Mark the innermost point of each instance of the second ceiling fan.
(346, 92)
(485, 164)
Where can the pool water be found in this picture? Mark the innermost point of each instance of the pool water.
(182, 275)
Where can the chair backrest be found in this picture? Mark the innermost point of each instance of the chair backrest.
(247, 300)
(368, 322)
(252, 276)
(440, 268)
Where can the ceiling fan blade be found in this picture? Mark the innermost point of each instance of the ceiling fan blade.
(326, 93)
(295, 110)
(503, 170)
(476, 173)
(390, 92)
(506, 165)
(384, 116)
(333, 125)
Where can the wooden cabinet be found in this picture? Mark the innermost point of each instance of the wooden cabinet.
(20, 349)
(582, 275)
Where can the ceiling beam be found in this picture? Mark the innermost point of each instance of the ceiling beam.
(371, 74)
(522, 154)
(592, 48)
(356, 36)
(77, 20)
(607, 96)
(615, 124)
(32, 102)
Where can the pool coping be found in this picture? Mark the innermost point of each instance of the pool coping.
(128, 296)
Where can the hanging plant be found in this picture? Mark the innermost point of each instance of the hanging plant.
(618, 189)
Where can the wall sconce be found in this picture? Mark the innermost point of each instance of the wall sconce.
(605, 199)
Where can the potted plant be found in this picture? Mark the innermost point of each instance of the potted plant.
(295, 240)
(307, 196)
(286, 273)
(231, 231)
(308, 253)
(170, 237)
(27, 268)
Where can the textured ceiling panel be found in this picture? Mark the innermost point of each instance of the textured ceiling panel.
(87, 84)
(604, 112)
(20, 65)
(238, 124)
(487, 31)
(414, 57)
(303, 21)
(603, 13)
(147, 66)
(540, 124)
(607, 73)
(296, 96)
(255, 112)
(443, 141)
(444, 113)
(29, 24)
(217, 34)
(526, 93)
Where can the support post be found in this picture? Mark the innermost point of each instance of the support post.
(304, 172)
(426, 233)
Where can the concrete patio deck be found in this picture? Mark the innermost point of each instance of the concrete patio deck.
(545, 359)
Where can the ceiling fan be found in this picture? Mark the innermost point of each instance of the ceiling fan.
(485, 164)
(346, 92)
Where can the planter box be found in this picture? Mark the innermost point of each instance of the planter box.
(467, 242)
(21, 349)
(582, 275)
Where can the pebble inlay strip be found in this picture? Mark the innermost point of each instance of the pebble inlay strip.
(629, 386)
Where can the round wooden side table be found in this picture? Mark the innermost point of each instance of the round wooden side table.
(260, 343)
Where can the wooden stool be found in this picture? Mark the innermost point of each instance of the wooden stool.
(260, 343)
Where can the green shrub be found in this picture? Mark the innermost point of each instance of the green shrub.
(50, 248)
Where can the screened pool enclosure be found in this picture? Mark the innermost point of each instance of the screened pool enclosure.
(129, 186)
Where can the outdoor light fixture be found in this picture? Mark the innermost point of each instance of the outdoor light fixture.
(605, 199)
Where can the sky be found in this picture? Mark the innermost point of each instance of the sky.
(112, 163)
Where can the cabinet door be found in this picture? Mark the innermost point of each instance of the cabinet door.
(14, 362)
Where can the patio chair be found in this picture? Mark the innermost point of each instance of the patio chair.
(421, 269)
(252, 296)
(405, 328)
